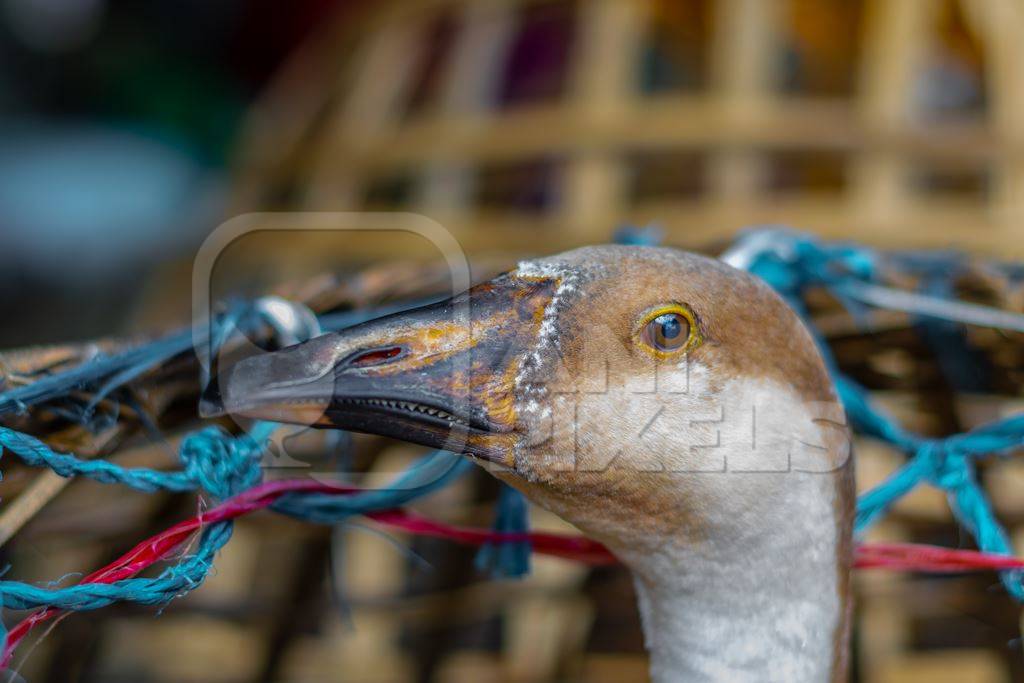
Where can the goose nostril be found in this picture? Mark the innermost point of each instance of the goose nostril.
(375, 356)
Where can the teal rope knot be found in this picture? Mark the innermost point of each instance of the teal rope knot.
(946, 467)
(221, 465)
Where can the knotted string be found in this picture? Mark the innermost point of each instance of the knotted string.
(212, 460)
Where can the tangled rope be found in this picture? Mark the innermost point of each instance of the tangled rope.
(227, 468)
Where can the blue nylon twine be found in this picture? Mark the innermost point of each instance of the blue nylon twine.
(213, 461)
(222, 465)
(508, 559)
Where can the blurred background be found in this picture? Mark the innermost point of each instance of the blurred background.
(129, 130)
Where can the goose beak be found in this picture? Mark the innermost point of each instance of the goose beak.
(442, 375)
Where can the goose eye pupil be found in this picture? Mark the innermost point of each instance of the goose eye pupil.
(667, 332)
(669, 326)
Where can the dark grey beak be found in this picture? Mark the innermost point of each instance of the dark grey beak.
(442, 375)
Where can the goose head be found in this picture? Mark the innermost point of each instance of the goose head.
(667, 404)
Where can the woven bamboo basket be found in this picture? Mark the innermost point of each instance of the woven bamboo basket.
(517, 124)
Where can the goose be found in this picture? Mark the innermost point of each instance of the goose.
(665, 403)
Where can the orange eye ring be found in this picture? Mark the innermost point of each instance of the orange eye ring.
(669, 330)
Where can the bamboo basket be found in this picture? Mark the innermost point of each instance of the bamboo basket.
(518, 123)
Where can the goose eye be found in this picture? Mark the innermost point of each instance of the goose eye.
(667, 331)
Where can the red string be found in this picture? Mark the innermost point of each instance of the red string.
(892, 556)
